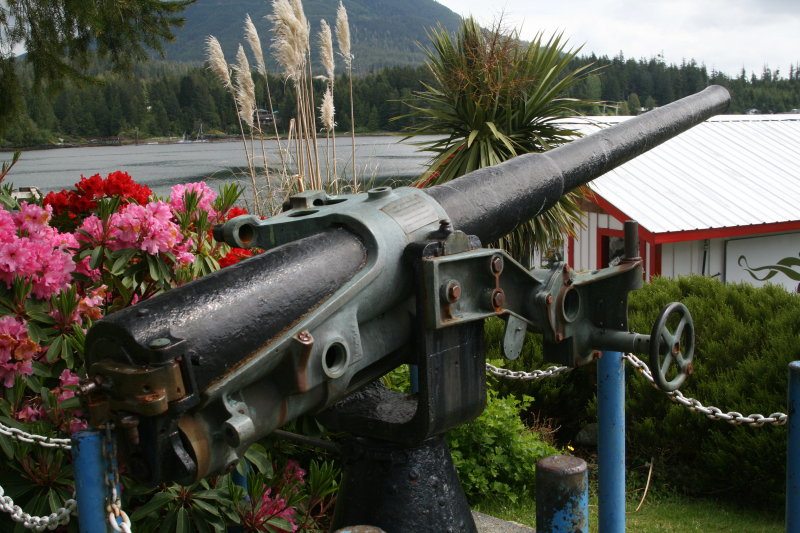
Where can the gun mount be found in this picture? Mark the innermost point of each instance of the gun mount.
(350, 287)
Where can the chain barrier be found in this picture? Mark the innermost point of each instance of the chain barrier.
(37, 523)
(117, 518)
(62, 515)
(527, 376)
(711, 412)
(30, 438)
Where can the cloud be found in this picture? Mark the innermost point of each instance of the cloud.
(722, 34)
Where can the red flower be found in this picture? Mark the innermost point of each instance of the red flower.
(234, 256)
(87, 190)
(234, 212)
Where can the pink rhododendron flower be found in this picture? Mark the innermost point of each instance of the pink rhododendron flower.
(35, 251)
(205, 196)
(8, 230)
(82, 267)
(17, 351)
(77, 424)
(149, 228)
(67, 379)
(30, 413)
(271, 507)
(293, 471)
(94, 227)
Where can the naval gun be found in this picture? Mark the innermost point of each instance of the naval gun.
(350, 287)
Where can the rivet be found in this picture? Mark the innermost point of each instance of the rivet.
(496, 264)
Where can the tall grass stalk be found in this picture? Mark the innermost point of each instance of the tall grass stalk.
(343, 37)
(252, 38)
(327, 110)
(299, 154)
(218, 65)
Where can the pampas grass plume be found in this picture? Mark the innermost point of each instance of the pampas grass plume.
(302, 21)
(216, 61)
(251, 36)
(326, 110)
(245, 88)
(326, 49)
(343, 34)
(288, 45)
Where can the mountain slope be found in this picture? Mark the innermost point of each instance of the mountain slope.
(383, 32)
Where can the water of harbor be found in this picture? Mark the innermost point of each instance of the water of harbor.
(379, 160)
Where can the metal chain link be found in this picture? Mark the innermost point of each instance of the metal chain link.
(117, 518)
(37, 523)
(527, 376)
(711, 412)
(30, 438)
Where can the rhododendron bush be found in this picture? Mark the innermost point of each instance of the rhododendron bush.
(66, 262)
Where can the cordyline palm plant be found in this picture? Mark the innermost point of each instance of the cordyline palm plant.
(494, 98)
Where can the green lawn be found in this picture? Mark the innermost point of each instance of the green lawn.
(664, 514)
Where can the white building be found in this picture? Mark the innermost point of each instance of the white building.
(722, 199)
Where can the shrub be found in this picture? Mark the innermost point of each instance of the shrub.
(81, 254)
(746, 337)
(495, 454)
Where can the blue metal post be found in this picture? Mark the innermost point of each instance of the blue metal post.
(611, 442)
(90, 484)
(793, 452)
(562, 495)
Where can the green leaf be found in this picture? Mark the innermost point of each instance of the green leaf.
(70, 403)
(182, 524)
(123, 257)
(258, 457)
(7, 446)
(55, 349)
(472, 135)
(44, 318)
(96, 260)
(152, 265)
(200, 504)
(156, 502)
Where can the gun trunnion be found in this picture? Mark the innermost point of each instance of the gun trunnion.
(350, 287)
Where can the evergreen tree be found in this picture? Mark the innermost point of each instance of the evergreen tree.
(63, 37)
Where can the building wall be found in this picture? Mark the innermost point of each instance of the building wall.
(705, 256)
(585, 243)
(685, 258)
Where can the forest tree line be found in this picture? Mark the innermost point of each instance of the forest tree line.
(173, 100)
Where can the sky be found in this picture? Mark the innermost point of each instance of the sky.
(724, 35)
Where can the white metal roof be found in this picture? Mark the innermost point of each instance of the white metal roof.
(732, 170)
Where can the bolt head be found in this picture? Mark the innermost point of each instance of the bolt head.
(497, 264)
(498, 299)
(451, 291)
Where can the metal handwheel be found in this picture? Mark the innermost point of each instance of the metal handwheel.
(668, 347)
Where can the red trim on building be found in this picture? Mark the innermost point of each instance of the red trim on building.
(698, 234)
(655, 260)
(720, 233)
(571, 251)
(656, 240)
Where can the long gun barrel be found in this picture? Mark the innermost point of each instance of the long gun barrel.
(491, 202)
(196, 375)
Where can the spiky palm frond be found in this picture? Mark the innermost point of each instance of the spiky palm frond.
(495, 98)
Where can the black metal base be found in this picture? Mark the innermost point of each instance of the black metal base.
(402, 489)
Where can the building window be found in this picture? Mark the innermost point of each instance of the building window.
(612, 250)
